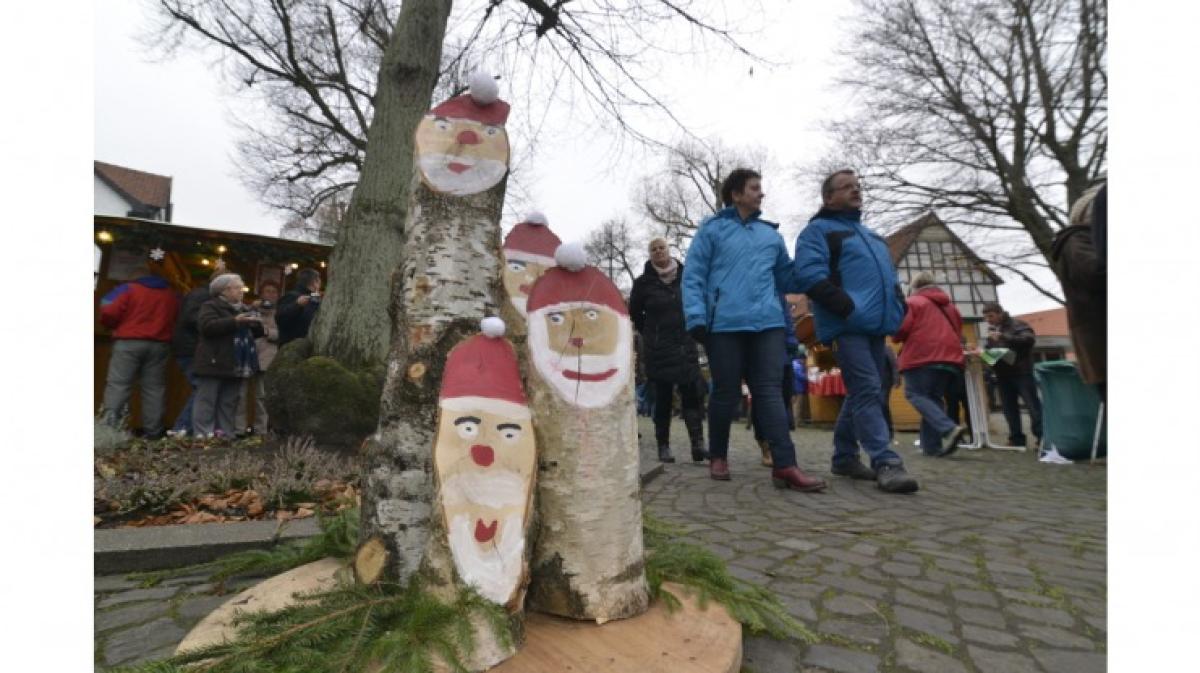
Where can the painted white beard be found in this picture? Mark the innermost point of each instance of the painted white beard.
(587, 394)
(519, 304)
(483, 174)
(490, 488)
(493, 569)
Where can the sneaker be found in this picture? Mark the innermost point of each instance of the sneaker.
(950, 440)
(895, 479)
(854, 470)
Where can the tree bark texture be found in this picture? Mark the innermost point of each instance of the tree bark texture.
(588, 560)
(350, 326)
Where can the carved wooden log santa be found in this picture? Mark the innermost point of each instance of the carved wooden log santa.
(587, 563)
(528, 252)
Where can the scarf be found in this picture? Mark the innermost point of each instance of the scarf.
(667, 276)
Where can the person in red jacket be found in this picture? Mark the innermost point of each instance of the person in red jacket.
(141, 314)
(930, 361)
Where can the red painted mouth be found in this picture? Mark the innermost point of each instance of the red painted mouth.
(524, 288)
(483, 455)
(485, 533)
(456, 167)
(581, 376)
(576, 342)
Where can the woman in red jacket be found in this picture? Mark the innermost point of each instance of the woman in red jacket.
(930, 361)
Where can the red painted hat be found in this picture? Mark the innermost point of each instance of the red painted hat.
(483, 366)
(572, 281)
(534, 237)
(465, 107)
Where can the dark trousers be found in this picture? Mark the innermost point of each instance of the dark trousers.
(925, 388)
(664, 398)
(1013, 390)
(862, 420)
(183, 422)
(956, 401)
(786, 389)
(758, 358)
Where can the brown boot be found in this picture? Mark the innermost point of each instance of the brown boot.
(718, 468)
(766, 453)
(795, 479)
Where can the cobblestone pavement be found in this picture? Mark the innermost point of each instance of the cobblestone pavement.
(996, 566)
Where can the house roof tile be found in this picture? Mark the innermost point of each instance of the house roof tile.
(145, 188)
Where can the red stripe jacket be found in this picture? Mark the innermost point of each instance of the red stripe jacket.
(141, 309)
(931, 331)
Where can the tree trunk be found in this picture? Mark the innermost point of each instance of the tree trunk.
(350, 327)
(588, 560)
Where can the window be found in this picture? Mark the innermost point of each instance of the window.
(935, 255)
(912, 259)
(987, 292)
(960, 293)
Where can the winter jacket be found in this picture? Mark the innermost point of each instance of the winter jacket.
(847, 271)
(1085, 285)
(294, 319)
(215, 350)
(141, 309)
(736, 270)
(656, 309)
(183, 342)
(931, 331)
(1017, 336)
(268, 343)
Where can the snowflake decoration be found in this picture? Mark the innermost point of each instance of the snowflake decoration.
(287, 270)
(158, 254)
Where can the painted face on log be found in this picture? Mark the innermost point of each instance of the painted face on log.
(583, 350)
(520, 272)
(528, 252)
(484, 458)
(460, 156)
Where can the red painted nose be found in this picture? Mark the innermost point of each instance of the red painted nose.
(483, 455)
(468, 138)
(577, 342)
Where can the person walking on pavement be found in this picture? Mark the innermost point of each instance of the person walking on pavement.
(669, 354)
(847, 271)
(298, 307)
(930, 361)
(1015, 379)
(736, 267)
(141, 315)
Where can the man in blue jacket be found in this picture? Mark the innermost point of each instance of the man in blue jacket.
(847, 271)
(736, 267)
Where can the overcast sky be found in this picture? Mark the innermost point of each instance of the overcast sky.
(172, 117)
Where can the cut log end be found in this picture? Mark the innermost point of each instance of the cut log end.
(370, 561)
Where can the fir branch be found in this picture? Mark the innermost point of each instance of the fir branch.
(338, 539)
(670, 560)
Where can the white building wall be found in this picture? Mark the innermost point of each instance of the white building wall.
(108, 201)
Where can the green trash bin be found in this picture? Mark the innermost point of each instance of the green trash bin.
(1070, 408)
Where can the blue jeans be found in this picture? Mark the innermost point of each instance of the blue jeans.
(183, 423)
(925, 388)
(862, 421)
(757, 357)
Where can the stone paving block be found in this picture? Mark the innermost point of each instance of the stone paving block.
(982, 634)
(851, 585)
(799, 545)
(1005, 580)
(955, 566)
(982, 616)
(132, 614)
(1029, 597)
(798, 589)
(901, 569)
(779, 554)
(853, 606)
(106, 583)
(1042, 615)
(871, 633)
(924, 660)
(754, 562)
(195, 607)
(969, 582)
(992, 661)
(1055, 637)
(767, 655)
(725, 553)
(1067, 661)
(925, 622)
(847, 556)
(129, 644)
(1098, 623)
(975, 597)
(841, 659)
(922, 586)
(160, 653)
(909, 598)
(800, 608)
(132, 595)
(865, 549)
(748, 575)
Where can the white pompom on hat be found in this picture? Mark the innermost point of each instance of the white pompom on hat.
(492, 326)
(536, 217)
(571, 256)
(483, 88)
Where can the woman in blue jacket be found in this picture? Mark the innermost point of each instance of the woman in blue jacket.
(736, 268)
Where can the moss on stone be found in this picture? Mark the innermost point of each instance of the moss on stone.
(317, 396)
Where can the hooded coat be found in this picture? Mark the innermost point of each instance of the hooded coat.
(931, 331)
(1085, 286)
(656, 309)
(140, 309)
(215, 352)
(846, 269)
(736, 270)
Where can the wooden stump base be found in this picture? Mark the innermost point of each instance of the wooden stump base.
(689, 640)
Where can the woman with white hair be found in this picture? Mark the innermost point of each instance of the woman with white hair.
(225, 355)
